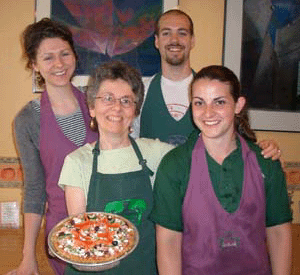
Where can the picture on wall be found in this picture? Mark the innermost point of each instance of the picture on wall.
(109, 29)
(271, 54)
(262, 45)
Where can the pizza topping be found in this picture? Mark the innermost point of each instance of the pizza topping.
(115, 243)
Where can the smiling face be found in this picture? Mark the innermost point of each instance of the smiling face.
(115, 119)
(174, 39)
(214, 108)
(55, 61)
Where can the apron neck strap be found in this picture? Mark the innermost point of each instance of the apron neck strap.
(142, 161)
(96, 153)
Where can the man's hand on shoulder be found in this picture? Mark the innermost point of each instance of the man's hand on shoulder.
(270, 149)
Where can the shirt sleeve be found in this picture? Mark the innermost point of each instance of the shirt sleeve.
(171, 183)
(26, 130)
(76, 171)
(278, 209)
(168, 194)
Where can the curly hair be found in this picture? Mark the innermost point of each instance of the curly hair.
(35, 33)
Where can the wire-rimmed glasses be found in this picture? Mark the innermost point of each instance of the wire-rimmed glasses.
(109, 100)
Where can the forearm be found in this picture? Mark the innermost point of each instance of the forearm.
(75, 200)
(32, 225)
(279, 240)
(168, 251)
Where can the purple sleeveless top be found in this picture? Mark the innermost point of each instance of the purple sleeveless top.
(54, 146)
(218, 242)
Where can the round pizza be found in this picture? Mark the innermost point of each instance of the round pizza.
(93, 238)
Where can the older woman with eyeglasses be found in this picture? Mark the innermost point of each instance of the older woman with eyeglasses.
(116, 170)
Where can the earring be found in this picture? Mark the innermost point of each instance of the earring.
(38, 82)
(93, 124)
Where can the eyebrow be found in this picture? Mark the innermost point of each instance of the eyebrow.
(217, 98)
(56, 51)
(220, 97)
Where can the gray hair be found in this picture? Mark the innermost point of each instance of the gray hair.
(114, 70)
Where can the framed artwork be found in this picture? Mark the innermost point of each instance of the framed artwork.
(109, 29)
(11, 174)
(262, 46)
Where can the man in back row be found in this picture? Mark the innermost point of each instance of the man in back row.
(166, 113)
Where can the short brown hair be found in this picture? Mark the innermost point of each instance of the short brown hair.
(176, 12)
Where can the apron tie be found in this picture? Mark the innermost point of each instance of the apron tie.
(96, 151)
(143, 163)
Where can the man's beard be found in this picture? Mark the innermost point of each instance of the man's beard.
(175, 60)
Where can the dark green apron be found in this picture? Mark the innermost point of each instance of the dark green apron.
(129, 195)
(156, 120)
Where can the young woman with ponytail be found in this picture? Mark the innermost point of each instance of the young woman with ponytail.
(219, 206)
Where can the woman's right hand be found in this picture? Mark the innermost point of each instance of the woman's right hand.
(27, 267)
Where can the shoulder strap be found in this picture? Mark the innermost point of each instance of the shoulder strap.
(142, 161)
(96, 153)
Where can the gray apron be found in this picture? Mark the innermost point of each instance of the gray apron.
(129, 195)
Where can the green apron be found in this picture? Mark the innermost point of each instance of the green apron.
(156, 120)
(129, 195)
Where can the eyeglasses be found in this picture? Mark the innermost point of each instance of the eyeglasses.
(109, 100)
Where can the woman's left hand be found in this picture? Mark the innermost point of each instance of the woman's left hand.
(270, 149)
